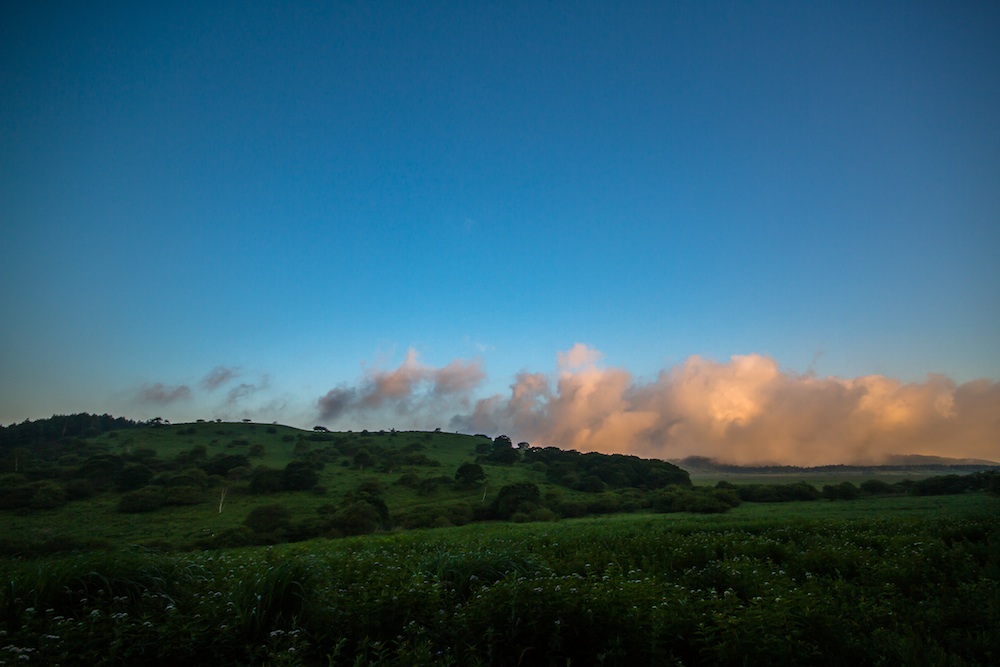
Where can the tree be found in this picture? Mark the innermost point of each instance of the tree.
(268, 518)
(266, 480)
(134, 476)
(299, 476)
(363, 460)
(517, 497)
(358, 518)
(502, 451)
(842, 491)
(470, 474)
(146, 499)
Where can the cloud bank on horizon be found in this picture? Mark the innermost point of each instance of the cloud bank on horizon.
(745, 410)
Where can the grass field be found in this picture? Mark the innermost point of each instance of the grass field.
(883, 581)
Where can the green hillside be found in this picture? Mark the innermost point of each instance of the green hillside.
(219, 484)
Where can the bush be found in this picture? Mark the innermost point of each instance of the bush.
(183, 495)
(777, 493)
(875, 487)
(134, 476)
(237, 536)
(146, 499)
(266, 480)
(940, 486)
(47, 495)
(298, 476)
(357, 518)
(268, 519)
(79, 489)
(544, 514)
(842, 491)
(518, 497)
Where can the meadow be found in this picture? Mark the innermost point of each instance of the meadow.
(891, 579)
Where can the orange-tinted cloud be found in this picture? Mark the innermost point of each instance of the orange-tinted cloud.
(745, 410)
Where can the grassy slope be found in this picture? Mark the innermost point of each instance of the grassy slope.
(98, 518)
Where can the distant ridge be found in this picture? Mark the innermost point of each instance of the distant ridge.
(921, 460)
(896, 463)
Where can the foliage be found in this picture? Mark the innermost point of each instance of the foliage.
(470, 474)
(842, 491)
(777, 493)
(652, 590)
(575, 470)
(700, 501)
(513, 498)
(146, 499)
(267, 480)
(299, 476)
(268, 518)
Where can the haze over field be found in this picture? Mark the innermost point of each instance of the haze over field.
(761, 232)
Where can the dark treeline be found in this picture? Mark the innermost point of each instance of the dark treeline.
(595, 472)
(985, 480)
(59, 427)
(704, 463)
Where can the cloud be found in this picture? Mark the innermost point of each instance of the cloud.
(413, 390)
(336, 403)
(578, 356)
(160, 394)
(244, 390)
(217, 377)
(744, 410)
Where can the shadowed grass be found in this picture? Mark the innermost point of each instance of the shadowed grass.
(270, 598)
(464, 572)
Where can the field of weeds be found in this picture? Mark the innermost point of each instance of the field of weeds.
(917, 587)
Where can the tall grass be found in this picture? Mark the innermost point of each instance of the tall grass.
(655, 590)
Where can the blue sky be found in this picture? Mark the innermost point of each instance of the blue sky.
(301, 193)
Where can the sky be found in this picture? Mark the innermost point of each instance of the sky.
(757, 231)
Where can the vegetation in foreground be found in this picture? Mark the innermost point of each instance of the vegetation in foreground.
(920, 587)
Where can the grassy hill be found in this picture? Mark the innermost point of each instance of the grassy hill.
(195, 485)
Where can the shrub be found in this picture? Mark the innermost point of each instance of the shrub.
(268, 518)
(777, 493)
(134, 476)
(875, 487)
(183, 495)
(357, 518)
(470, 474)
(842, 491)
(518, 497)
(47, 495)
(544, 514)
(146, 499)
(266, 480)
(298, 476)
(79, 489)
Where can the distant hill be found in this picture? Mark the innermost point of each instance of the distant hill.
(898, 463)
